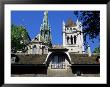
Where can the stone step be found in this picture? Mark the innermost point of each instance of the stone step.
(59, 72)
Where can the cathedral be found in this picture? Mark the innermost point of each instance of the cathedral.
(72, 37)
(41, 43)
(44, 58)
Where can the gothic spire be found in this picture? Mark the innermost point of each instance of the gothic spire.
(45, 28)
(45, 20)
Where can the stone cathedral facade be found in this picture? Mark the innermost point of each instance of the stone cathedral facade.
(41, 43)
(73, 36)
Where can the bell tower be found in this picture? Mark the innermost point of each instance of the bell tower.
(73, 36)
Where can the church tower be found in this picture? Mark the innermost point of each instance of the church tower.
(73, 36)
(45, 29)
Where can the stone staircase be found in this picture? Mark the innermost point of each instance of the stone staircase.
(59, 72)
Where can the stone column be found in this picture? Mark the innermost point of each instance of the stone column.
(63, 38)
(69, 40)
(28, 50)
(31, 49)
(63, 24)
(89, 51)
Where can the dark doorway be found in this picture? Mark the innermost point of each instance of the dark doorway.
(57, 60)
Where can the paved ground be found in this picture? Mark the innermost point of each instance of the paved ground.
(56, 73)
(43, 75)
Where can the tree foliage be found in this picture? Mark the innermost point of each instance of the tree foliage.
(97, 50)
(91, 23)
(19, 38)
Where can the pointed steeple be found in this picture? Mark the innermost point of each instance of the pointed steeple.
(63, 26)
(45, 28)
(45, 20)
(77, 21)
(63, 23)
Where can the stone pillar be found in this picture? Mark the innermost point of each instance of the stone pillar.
(40, 50)
(63, 38)
(69, 40)
(28, 50)
(64, 43)
(89, 51)
(31, 49)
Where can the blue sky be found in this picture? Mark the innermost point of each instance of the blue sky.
(33, 19)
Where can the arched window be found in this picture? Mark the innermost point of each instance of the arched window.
(70, 29)
(43, 47)
(74, 39)
(67, 39)
(34, 49)
(80, 32)
(71, 39)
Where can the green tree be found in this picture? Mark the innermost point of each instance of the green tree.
(97, 50)
(19, 38)
(91, 23)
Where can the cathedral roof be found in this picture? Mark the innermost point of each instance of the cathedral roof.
(39, 38)
(70, 23)
(31, 58)
(83, 59)
(40, 59)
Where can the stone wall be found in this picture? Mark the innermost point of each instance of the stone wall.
(43, 70)
(28, 69)
(83, 58)
(34, 64)
(40, 59)
(30, 58)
